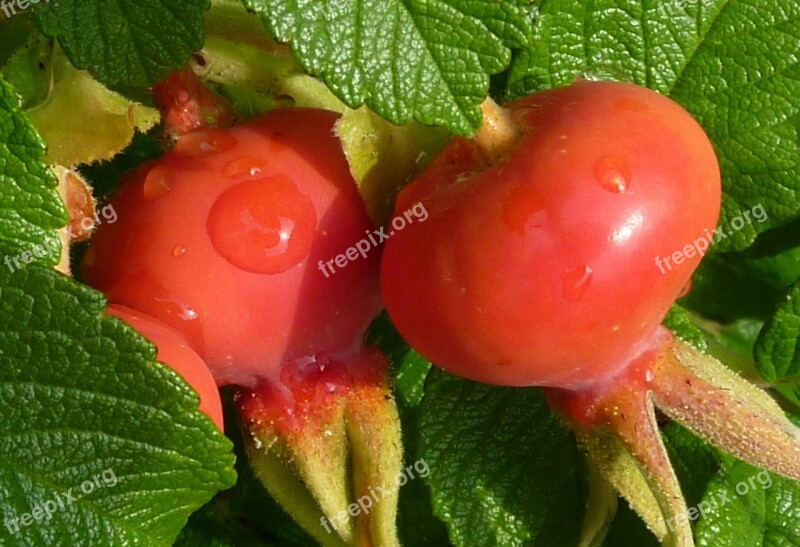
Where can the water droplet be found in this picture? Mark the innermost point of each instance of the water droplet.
(205, 142)
(604, 73)
(523, 210)
(522, 113)
(183, 96)
(178, 252)
(631, 105)
(328, 433)
(157, 182)
(686, 289)
(189, 314)
(613, 174)
(243, 167)
(263, 226)
(575, 282)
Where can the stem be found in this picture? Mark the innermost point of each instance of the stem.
(499, 131)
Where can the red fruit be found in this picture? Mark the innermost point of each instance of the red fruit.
(557, 240)
(221, 238)
(537, 266)
(176, 353)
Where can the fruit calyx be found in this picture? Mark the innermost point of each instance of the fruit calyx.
(616, 426)
(187, 104)
(322, 438)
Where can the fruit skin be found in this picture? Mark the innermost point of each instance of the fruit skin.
(175, 352)
(244, 316)
(537, 267)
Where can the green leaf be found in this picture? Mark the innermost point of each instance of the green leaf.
(720, 282)
(15, 32)
(777, 349)
(767, 269)
(29, 69)
(381, 155)
(680, 322)
(748, 506)
(423, 60)
(81, 396)
(125, 43)
(504, 471)
(409, 368)
(30, 207)
(108, 120)
(724, 61)
(212, 526)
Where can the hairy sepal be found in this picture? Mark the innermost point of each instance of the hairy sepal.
(324, 439)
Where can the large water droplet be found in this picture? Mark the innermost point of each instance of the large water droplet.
(686, 289)
(263, 226)
(157, 182)
(575, 282)
(613, 174)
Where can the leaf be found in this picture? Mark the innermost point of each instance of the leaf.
(409, 368)
(724, 61)
(383, 156)
(213, 526)
(15, 32)
(423, 60)
(720, 282)
(108, 120)
(680, 322)
(748, 506)
(125, 43)
(81, 398)
(777, 349)
(30, 207)
(767, 268)
(29, 69)
(503, 469)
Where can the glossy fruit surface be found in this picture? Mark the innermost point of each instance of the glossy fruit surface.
(175, 352)
(539, 266)
(221, 240)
